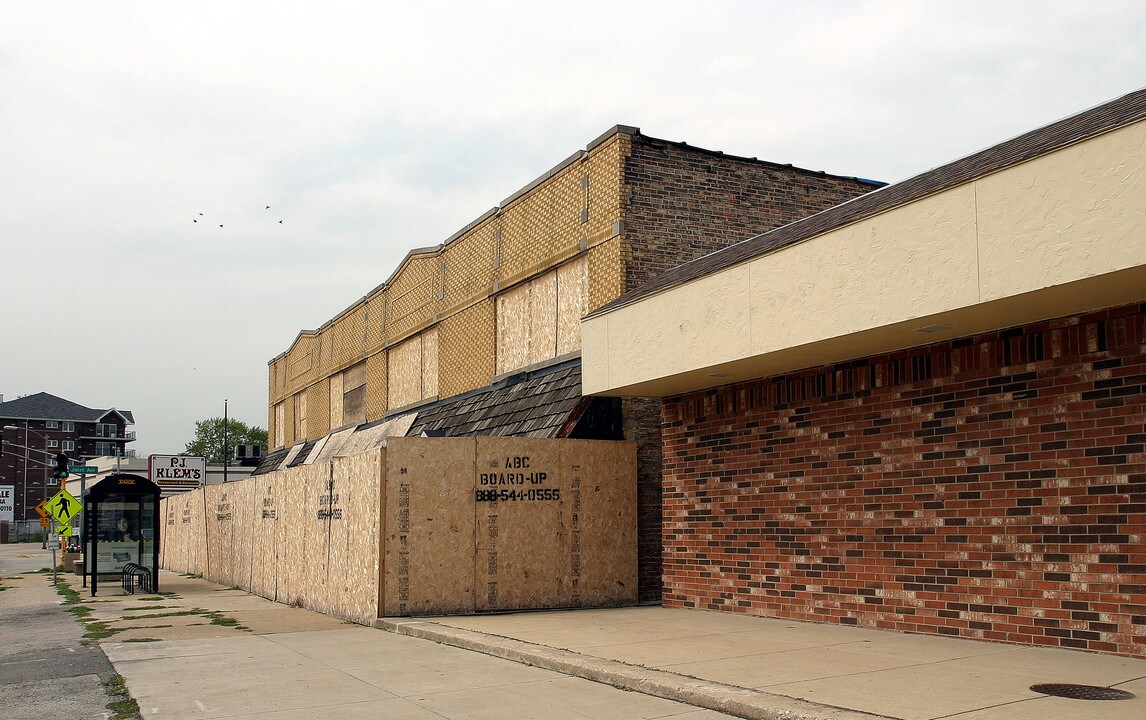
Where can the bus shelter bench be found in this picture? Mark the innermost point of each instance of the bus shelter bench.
(135, 575)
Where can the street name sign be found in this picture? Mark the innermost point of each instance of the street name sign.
(83, 469)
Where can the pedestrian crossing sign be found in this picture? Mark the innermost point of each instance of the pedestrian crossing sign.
(62, 507)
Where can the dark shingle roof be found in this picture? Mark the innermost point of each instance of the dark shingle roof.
(43, 406)
(1087, 124)
(537, 406)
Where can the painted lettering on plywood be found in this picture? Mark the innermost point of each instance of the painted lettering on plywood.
(223, 509)
(514, 480)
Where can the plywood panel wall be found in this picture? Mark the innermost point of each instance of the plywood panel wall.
(572, 303)
(513, 329)
(429, 526)
(405, 375)
(219, 523)
(600, 512)
(521, 539)
(543, 318)
(264, 549)
(353, 567)
(423, 526)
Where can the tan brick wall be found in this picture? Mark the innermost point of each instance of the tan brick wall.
(376, 385)
(466, 352)
(606, 272)
(454, 288)
(412, 297)
(345, 339)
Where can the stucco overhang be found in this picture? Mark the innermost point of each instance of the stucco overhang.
(1062, 233)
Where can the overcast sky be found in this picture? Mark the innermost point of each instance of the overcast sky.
(374, 128)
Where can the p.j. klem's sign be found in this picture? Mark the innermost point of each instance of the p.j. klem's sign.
(177, 472)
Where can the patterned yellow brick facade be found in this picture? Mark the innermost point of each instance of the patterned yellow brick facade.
(376, 386)
(573, 210)
(606, 272)
(375, 320)
(412, 297)
(470, 266)
(466, 355)
(345, 339)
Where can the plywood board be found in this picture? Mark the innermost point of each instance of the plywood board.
(429, 531)
(264, 548)
(291, 494)
(521, 546)
(543, 318)
(315, 526)
(244, 532)
(405, 375)
(336, 390)
(423, 526)
(333, 445)
(572, 303)
(601, 512)
(353, 552)
(513, 329)
(220, 520)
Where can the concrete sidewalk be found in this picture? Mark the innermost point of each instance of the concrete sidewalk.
(760, 667)
(208, 651)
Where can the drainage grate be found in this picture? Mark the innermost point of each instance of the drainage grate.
(1081, 692)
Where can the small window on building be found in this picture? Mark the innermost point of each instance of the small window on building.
(69, 426)
(51, 424)
(69, 445)
(53, 443)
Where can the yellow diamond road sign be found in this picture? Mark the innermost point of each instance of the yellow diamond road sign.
(63, 506)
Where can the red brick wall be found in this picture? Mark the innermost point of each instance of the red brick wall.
(687, 202)
(992, 487)
(684, 203)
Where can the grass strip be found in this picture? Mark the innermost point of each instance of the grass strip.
(121, 706)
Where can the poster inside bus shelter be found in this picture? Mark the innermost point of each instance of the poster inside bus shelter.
(124, 533)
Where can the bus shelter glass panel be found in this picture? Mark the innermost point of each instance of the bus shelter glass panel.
(124, 532)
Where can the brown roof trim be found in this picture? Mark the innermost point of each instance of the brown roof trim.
(1087, 124)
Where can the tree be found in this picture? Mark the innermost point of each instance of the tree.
(208, 440)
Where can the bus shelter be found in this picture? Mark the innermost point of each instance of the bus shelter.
(121, 530)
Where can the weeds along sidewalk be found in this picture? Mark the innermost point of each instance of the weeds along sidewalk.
(185, 607)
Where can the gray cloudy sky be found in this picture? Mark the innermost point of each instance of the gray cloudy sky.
(373, 128)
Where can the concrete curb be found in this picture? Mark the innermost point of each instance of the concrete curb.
(730, 699)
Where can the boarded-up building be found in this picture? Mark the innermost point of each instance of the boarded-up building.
(922, 410)
(480, 335)
(422, 526)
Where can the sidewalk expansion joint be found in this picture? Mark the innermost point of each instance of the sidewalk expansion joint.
(741, 702)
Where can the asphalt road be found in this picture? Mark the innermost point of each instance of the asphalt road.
(45, 669)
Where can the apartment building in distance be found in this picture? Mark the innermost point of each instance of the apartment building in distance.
(38, 427)
(480, 335)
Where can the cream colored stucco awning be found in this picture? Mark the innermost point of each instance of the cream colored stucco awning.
(1060, 233)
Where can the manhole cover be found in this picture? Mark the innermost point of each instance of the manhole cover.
(1081, 692)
